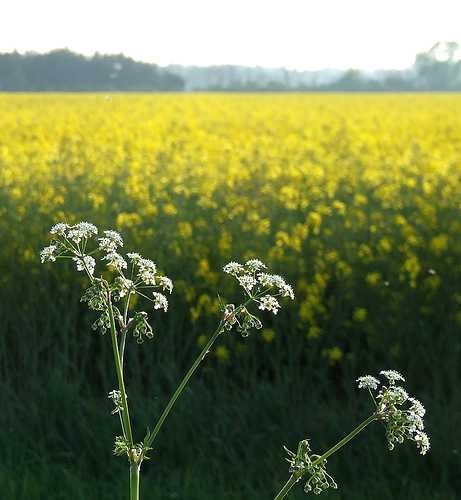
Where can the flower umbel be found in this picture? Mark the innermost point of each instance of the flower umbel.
(401, 415)
(260, 287)
(368, 382)
(75, 242)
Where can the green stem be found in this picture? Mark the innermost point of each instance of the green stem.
(345, 440)
(123, 334)
(151, 437)
(134, 481)
(118, 368)
(295, 477)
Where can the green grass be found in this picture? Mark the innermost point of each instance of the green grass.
(224, 439)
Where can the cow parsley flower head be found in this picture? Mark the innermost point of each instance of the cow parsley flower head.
(422, 442)
(134, 257)
(147, 271)
(124, 286)
(86, 263)
(269, 303)
(254, 281)
(255, 265)
(80, 231)
(59, 229)
(262, 289)
(103, 292)
(233, 268)
(401, 414)
(110, 241)
(160, 301)
(165, 284)
(274, 281)
(47, 254)
(247, 282)
(116, 261)
(392, 375)
(417, 407)
(368, 382)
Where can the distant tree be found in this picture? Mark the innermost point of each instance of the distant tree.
(63, 70)
(438, 69)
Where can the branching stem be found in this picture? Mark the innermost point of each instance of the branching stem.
(297, 476)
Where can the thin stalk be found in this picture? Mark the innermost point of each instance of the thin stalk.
(134, 481)
(345, 440)
(123, 333)
(118, 368)
(152, 435)
(295, 477)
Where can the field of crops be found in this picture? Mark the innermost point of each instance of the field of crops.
(355, 199)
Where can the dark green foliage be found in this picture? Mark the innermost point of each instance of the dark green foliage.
(62, 70)
(224, 438)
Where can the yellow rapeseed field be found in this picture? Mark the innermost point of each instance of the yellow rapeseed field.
(356, 199)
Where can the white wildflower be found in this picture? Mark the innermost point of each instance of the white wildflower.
(397, 395)
(147, 271)
(392, 375)
(60, 229)
(414, 422)
(417, 407)
(116, 261)
(86, 263)
(368, 382)
(286, 290)
(269, 303)
(401, 423)
(160, 301)
(110, 241)
(422, 442)
(247, 281)
(124, 285)
(48, 254)
(134, 257)
(165, 283)
(233, 268)
(255, 265)
(82, 230)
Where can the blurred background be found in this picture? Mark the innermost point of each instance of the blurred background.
(324, 139)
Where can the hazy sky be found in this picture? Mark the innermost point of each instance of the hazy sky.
(301, 34)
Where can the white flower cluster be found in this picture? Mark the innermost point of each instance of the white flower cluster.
(401, 414)
(48, 254)
(269, 303)
(110, 241)
(368, 382)
(72, 241)
(85, 263)
(261, 288)
(79, 232)
(259, 285)
(116, 261)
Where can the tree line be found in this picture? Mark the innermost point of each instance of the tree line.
(63, 70)
(438, 69)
